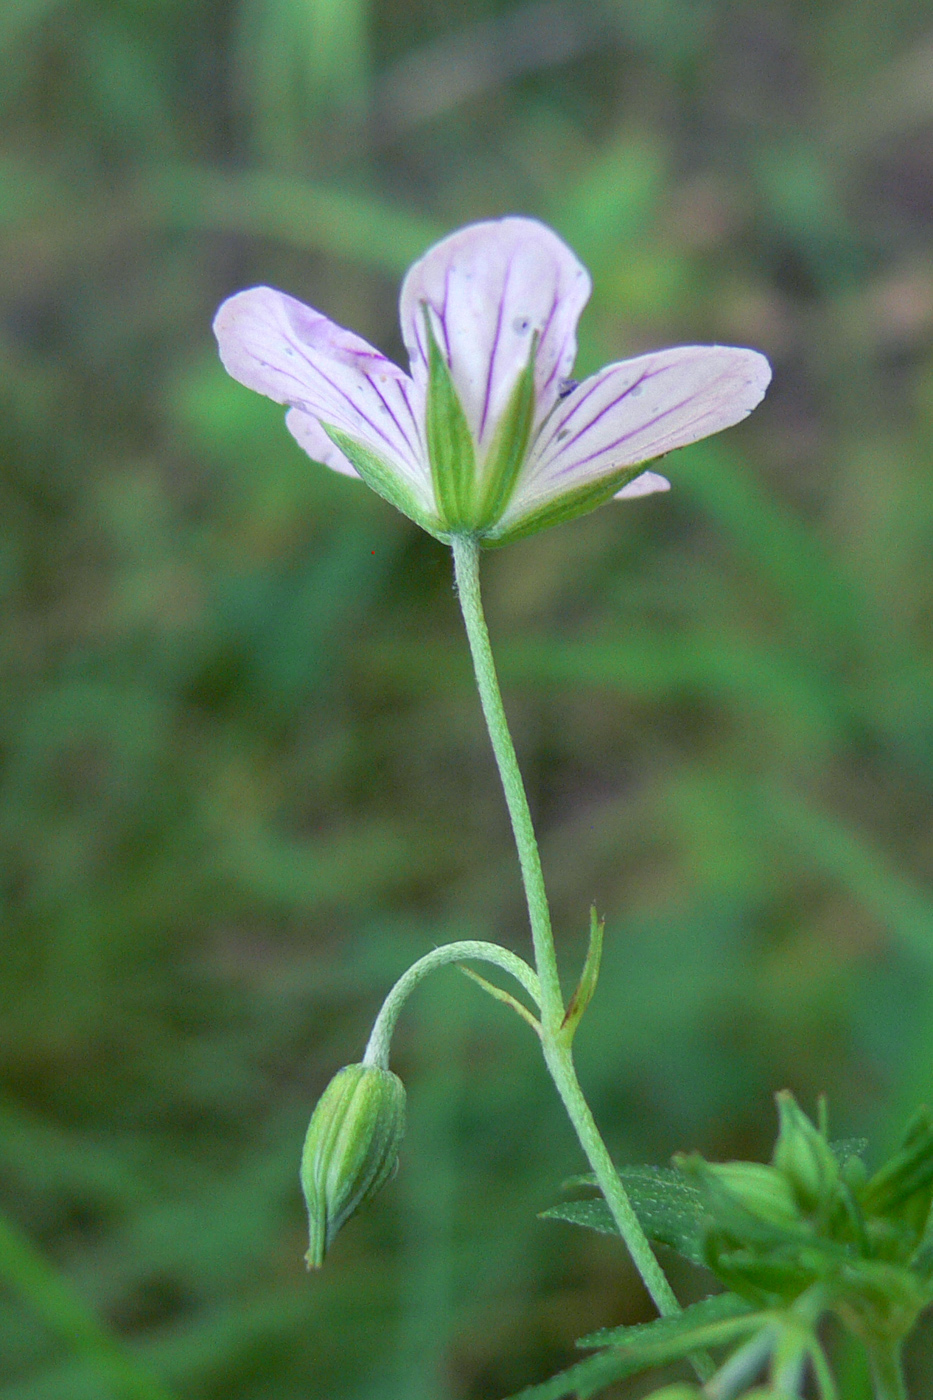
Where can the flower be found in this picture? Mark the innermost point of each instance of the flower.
(487, 435)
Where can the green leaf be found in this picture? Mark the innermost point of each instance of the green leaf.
(594, 1215)
(676, 1338)
(714, 1309)
(669, 1209)
(450, 443)
(510, 445)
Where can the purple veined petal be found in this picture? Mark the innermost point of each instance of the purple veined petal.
(645, 485)
(491, 287)
(276, 345)
(635, 411)
(310, 436)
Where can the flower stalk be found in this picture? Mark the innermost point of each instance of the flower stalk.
(380, 1039)
(557, 1052)
(466, 572)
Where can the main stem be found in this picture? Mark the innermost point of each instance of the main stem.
(557, 1051)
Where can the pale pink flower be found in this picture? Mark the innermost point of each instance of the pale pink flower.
(487, 434)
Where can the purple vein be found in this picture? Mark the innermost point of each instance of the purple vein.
(403, 387)
(392, 414)
(349, 399)
(611, 447)
(659, 447)
(420, 345)
(495, 345)
(591, 423)
(590, 387)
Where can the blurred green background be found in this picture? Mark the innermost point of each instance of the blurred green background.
(243, 778)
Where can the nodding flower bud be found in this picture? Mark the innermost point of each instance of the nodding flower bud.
(804, 1156)
(351, 1149)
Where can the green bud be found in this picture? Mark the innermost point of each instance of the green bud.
(763, 1191)
(351, 1149)
(804, 1156)
(741, 1195)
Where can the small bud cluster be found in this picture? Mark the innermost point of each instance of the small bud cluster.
(814, 1216)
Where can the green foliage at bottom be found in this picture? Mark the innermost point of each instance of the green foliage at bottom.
(809, 1236)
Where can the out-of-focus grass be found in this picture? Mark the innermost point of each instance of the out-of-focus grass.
(244, 778)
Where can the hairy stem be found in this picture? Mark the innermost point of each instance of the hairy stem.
(556, 1049)
(377, 1049)
(466, 570)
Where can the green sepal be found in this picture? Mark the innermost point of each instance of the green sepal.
(879, 1302)
(588, 979)
(451, 451)
(558, 509)
(767, 1277)
(381, 478)
(510, 445)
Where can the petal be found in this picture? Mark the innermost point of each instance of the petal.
(490, 288)
(309, 435)
(645, 485)
(280, 347)
(636, 411)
